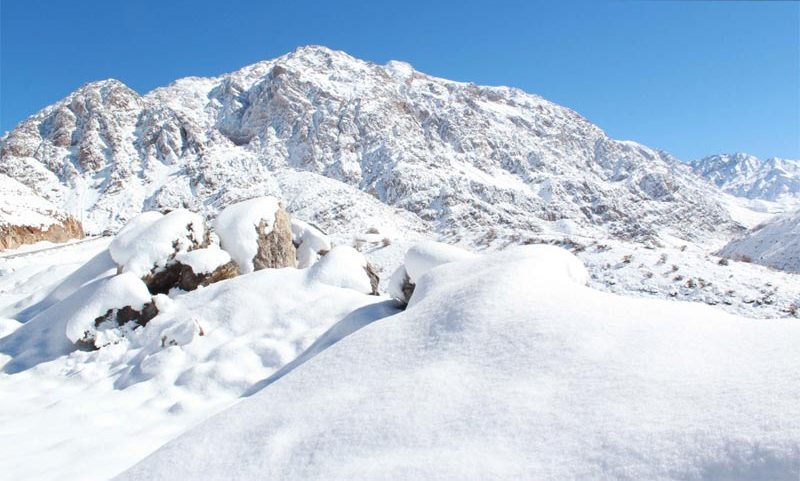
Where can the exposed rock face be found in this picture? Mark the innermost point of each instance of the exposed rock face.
(13, 236)
(275, 247)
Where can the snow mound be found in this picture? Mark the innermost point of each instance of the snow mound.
(426, 255)
(342, 267)
(237, 226)
(150, 241)
(507, 368)
(309, 241)
(775, 244)
(204, 261)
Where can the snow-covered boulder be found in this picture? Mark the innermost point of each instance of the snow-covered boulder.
(124, 292)
(345, 267)
(205, 266)
(311, 243)
(257, 233)
(149, 243)
(418, 260)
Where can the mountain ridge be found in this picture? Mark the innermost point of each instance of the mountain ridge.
(468, 162)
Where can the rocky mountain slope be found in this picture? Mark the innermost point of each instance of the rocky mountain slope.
(744, 175)
(26, 218)
(471, 163)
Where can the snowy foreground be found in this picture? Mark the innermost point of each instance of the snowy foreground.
(503, 365)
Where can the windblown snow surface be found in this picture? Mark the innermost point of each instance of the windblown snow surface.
(508, 367)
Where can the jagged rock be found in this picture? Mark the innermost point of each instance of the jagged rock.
(275, 247)
(15, 236)
(400, 286)
(374, 279)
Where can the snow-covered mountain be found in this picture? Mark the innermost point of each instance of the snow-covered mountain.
(744, 175)
(468, 162)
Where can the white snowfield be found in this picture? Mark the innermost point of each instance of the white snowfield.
(504, 367)
(21, 206)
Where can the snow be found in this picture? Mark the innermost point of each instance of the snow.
(151, 240)
(21, 206)
(342, 267)
(237, 226)
(309, 241)
(200, 354)
(775, 244)
(505, 367)
(426, 255)
(204, 261)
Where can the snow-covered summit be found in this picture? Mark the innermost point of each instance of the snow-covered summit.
(466, 161)
(745, 175)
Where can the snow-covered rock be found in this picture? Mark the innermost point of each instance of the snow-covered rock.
(54, 331)
(257, 234)
(745, 175)
(310, 242)
(775, 244)
(418, 260)
(150, 242)
(344, 267)
(505, 367)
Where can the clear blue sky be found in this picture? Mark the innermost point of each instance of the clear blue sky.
(693, 78)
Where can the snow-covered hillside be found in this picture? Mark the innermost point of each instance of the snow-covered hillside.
(26, 218)
(462, 160)
(745, 175)
(507, 367)
(775, 243)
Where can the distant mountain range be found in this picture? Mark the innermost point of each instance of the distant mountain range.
(744, 175)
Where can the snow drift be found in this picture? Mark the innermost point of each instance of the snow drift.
(507, 367)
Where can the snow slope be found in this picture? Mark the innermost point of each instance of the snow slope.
(775, 244)
(504, 367)
(69, 414)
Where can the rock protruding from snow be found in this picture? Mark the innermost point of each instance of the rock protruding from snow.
(100, 297)
(257, 233)
(149, 243)
(775, 244)
(345, 267)
(202, 267)
(27, 218)
(311, 243)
